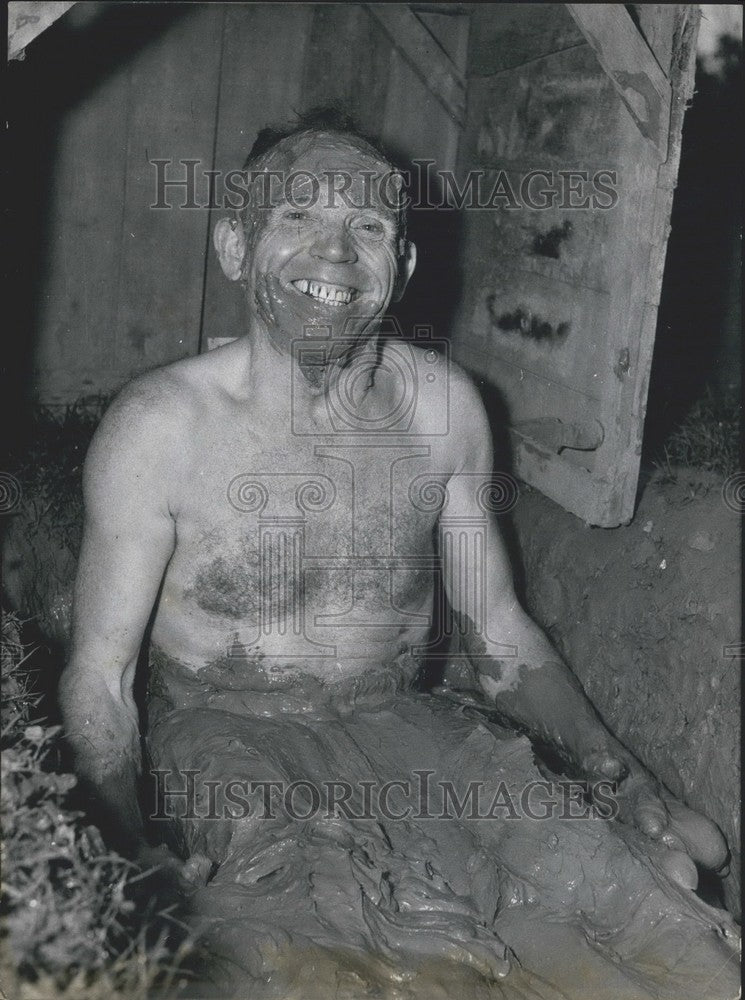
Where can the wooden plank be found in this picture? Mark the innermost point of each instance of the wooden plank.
(261, 84)
(683, 61)
(602, 276)
(640, 267)
(451, 31)
(27, 20)
(537, 281)
(171, 115)
(557, 242)
(630, 351)
(441, 8)
(81, 246)
(538, 397)
(415, 122)
(559, 121)
(568, 478)
(425, 56)
(631, 67)
(507, 35)
(353, 75)
(656, 23)
(547, 327)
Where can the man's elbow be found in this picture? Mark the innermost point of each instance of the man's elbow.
(89, 690)
(69, 688)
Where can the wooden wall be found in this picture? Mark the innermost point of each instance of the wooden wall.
(122, 283)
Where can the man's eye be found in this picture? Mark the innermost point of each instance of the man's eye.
(295, 216)
(370, 226)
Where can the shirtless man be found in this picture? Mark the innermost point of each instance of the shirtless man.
(267, 503)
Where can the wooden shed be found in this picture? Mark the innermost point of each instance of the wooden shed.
(554, 130)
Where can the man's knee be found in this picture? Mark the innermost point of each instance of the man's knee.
(208, 771)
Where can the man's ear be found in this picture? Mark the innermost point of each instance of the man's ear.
(230, 244)
(406, 265)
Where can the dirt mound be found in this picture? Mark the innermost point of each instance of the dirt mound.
(648, 617)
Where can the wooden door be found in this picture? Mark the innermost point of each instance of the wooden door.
(575, 129)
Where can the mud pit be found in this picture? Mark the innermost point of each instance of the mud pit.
(367, 902)
(575, 909)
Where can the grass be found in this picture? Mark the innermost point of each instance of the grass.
(706, 438)
(48, 462)
(70, 925)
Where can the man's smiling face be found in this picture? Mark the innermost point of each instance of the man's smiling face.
(324, 255)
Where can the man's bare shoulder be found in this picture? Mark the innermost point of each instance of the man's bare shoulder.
(449, 379)
(158, 415)
(146, 433)
(448, 399)
(149, 407)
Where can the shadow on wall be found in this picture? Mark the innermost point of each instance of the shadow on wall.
(434, 291)
(699, 325)
(432, 299)
(60, 69)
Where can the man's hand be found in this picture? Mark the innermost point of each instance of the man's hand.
(685, 835)
(167, 876)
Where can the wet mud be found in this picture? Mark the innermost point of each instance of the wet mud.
(648, 616)
(375, 901)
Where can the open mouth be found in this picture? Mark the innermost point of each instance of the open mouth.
(330, 295)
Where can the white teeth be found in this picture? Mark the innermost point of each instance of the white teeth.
(330, 294)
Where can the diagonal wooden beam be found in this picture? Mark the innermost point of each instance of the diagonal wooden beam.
(27, 20)
(630, 65)
(429, 61)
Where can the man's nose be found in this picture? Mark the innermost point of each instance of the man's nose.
(335, 244)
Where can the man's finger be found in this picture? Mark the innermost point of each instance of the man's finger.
(679, 868)
(700, 837)
(651, 820)
(196, 870)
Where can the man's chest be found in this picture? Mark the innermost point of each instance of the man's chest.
(329, 525)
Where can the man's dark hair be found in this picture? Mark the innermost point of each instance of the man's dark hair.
(323, 120)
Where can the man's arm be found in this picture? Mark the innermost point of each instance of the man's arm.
(127, 541)
(517, 668)
(519, 671)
